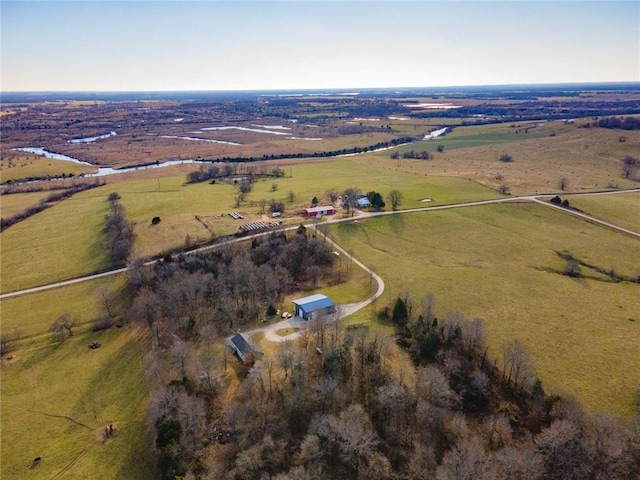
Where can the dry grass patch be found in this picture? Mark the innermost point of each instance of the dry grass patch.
(590, 159)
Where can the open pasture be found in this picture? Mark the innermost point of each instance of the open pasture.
(31, 315)
(61, 242)
(57, 400)
(589, 159)
(17, 165)
(18, 202)
(621, 209)
(497, 262)
(67, 239)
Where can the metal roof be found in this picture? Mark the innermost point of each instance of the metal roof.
(241, 343)
(314, 302)
(318, 209)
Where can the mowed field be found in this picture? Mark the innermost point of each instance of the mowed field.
(496, 262)
(68, 240)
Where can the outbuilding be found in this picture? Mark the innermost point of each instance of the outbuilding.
(363, 202)
(241, 346)
(319, 211)
(313, 306)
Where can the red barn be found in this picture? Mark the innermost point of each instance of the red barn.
(319, 211)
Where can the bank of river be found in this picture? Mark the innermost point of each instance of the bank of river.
(102, 171)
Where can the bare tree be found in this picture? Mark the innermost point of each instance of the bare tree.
(191, 415)
(429, 308)
(291, 196)
(432, 385)
(473, 336)
(333, 196)
(517, 364)
(561, 449)
(62, 326)
(180, 353)
(504, 189)
(350, 199)
(263, 204)
(395, 198)
(466, 460)
(107, 300)
(630, 167)
(563, 183)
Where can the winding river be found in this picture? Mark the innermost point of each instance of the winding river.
(102, 171)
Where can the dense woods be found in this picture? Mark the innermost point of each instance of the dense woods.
(622, 123)
(342, 403)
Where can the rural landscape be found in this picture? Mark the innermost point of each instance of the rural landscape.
(474, 255)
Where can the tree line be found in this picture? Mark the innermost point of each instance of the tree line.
(328, 153)
(229, 170)
(49, 201)
(119, 231)
(621, 123)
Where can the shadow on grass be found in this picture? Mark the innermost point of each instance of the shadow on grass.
(117, 395)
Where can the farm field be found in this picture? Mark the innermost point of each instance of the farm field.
(589, 159)
(65, 241)
(622, 210)
(32, 314)
(68, 241)
(57, 400)
(18, 202)
(496, 262)
(17, 165)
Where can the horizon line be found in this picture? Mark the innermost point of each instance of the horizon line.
(334, 89)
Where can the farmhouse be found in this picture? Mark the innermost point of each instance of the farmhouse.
(242, 348)
(363, 201)
(319, 211)
(313, 305)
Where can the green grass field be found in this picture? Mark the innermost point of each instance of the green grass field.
(63, 241)
(15, 166)
(622, 209)
(33, 314)
(19, 202)
(493, 261)
(93, 388)
(67, 239)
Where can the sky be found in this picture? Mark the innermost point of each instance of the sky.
(265, 45)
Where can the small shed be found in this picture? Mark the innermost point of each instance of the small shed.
(242, 348)
(313, 305)
(319, 211)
